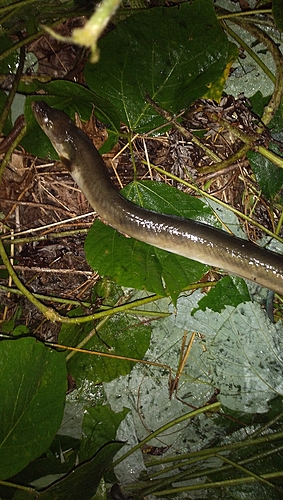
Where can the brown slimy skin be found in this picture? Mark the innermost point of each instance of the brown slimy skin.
(185, 237)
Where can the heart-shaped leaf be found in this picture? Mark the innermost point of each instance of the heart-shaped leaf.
(172, 54)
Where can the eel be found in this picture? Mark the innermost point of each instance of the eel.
(181, 236)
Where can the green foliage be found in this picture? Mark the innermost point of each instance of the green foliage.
(268, 176)
(32, 393)
(9, 326)
(229, 291)
(175, 55)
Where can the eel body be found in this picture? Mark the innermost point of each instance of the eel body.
(180, 236)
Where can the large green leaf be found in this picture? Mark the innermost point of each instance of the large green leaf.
(136, 264)
(32, 395)
(173, 54)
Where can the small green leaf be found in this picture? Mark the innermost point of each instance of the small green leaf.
(32, 395)
(268, 175)
(9, 325)
(100, 425)
(107, 291)
(127, 261)
(173, 54)
(258, 102)
(230, 290)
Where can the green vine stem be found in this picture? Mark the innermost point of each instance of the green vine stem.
(279, 225)
(222, 165)
(242, 136)
(28, 489)
(30, 239)
(248, 472)
(247, 140)
(275, 159)
(245, 13)
(210, 408)
(48, 298)
(95, 330)
(210, 471)
(218, 484)
(200, 454)
(53, 315)
(187, 459)
(78, 303)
